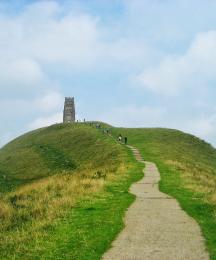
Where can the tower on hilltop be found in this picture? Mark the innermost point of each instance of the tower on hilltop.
(69, 110)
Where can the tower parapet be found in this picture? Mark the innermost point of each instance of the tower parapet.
(69, 110)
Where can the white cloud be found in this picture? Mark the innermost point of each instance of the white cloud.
(40, 38)
(72, 39)
(43, 32)
(51, 101)
(134, 116)
(203, 127)
(22, 74)
(195, 69)
(47, 33)
(45, 109)
(41, 9)
(45, 121)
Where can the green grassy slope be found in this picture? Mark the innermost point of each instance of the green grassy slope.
(63, 193)
(51, 150)
(188, 170)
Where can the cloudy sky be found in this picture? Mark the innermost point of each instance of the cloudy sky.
(140, 63)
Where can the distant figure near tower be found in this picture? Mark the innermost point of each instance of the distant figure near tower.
(69, 110)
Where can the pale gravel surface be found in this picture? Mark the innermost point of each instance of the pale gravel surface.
(155, 225)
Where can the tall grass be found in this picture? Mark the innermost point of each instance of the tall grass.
(27, 212)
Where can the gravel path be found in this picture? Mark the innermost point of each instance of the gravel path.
(155, 225)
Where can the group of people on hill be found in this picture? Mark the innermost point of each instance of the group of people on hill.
(107, 131)
(97, 125)
(120, 139)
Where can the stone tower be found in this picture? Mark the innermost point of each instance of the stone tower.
(69, 110)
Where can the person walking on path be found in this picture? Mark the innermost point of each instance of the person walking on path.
(120, 138)
(125, 140)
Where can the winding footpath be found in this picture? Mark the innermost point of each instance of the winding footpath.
(156, 228)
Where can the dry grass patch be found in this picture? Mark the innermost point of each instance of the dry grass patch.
(31, 209)
(197, 179)
(6, 211)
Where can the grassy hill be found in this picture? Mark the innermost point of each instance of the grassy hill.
(188, 170)
(52, 150)
(64, 190)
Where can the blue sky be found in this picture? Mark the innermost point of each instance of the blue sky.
(148, 63)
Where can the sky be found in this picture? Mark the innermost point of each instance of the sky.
(140, 63)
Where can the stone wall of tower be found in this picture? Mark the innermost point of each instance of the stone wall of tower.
(69, 110)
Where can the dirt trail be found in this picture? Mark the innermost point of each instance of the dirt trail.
(155, 225)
